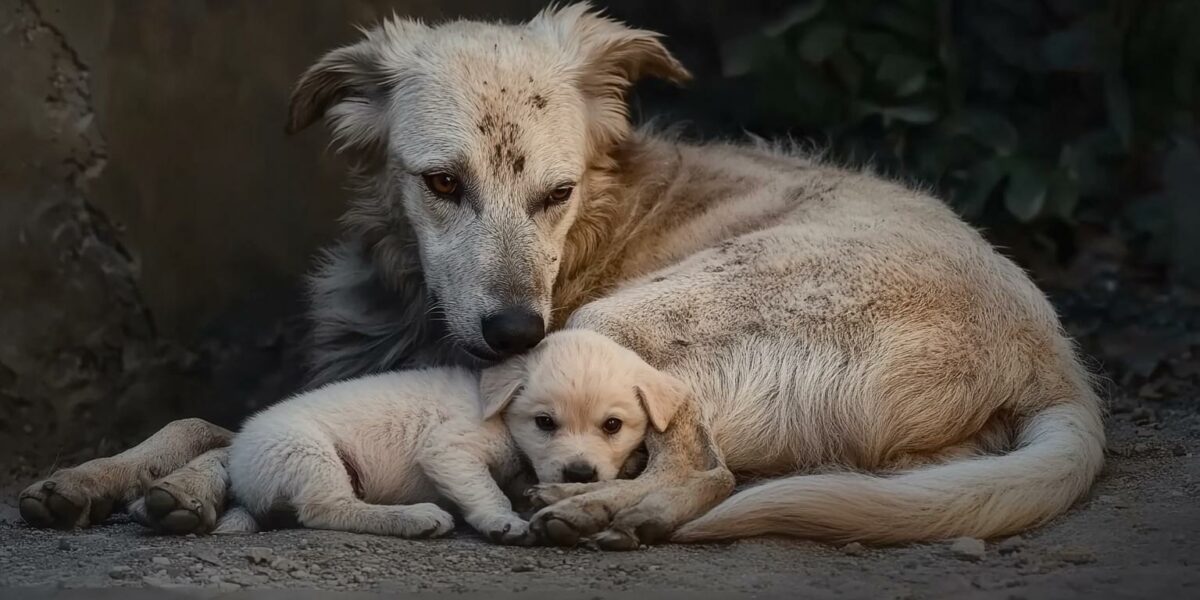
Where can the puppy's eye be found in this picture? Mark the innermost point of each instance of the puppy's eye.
(611, 425)
(545, 422)
(559, 195)
(442, 185)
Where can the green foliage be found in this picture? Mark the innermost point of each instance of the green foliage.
(1025, 105)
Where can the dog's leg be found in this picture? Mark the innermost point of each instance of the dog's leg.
(87, 494)
(190, 499)
(457, 462)
(685, 477)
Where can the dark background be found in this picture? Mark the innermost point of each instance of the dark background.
(155, 222)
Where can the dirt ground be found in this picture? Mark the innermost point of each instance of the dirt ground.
(1136, 536)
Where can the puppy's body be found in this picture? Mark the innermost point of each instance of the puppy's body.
(354, 455)
(379, 453)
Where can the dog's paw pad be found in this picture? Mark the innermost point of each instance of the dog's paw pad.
(65, 501)
(172, 510)
(616, 541)
(557, 532)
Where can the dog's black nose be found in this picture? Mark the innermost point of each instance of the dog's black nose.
(578, 472)
(513, 330)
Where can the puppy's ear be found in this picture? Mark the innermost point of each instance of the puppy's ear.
(611, 58)
(661, 396)
(500, 384)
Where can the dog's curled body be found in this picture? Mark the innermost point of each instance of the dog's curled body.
(830, 320)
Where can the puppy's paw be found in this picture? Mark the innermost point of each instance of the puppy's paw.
(506, 529)
(426, 520)
(68, 499)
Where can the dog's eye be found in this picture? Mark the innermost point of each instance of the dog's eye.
(443, 185)
(545, 422)
(611, 425)
(559, 195)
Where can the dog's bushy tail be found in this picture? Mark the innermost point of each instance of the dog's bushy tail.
(1059, 452)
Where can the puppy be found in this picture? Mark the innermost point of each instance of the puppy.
(388, 454)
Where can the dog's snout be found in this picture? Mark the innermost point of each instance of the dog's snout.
(513, 330)
(578, 472)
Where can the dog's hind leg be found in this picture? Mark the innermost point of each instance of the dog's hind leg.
(190, 499)
(87, 494)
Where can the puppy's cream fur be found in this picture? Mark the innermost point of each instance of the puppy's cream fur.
(378, 454)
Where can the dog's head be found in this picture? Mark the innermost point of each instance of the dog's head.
(481, 137)
(579, 404)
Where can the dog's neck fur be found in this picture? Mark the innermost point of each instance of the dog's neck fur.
(623, 189)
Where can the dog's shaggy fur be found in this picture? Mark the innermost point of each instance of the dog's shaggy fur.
(848, 339)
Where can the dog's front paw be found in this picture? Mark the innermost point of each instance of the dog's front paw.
(505, 529)
(67, 499)
(573, 519)
(545, 494)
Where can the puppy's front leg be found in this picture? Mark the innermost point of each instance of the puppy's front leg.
(685, 477)
(457, 459)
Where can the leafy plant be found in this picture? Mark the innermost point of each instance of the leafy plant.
(1014, 108)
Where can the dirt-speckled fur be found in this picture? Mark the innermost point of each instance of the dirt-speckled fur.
(848, 336)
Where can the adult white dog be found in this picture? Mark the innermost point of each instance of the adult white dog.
(829, 324)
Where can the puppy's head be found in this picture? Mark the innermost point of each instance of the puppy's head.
(484, 138)
(579, 404)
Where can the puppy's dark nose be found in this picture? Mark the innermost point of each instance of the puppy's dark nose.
(513, 330)
(578, 472)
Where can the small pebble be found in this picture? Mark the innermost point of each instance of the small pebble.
(967, 548)
(853, 549)
(1179, 450)
(259, 556)
(1011, 545)
(1075, 556)
(64, 545)
(161, 561)
(119, 571)
(207, 557)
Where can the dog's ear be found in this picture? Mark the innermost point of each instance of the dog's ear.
(500, 384)
(349, 85)
(661, 395)
(611, 58)
(348, 74)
